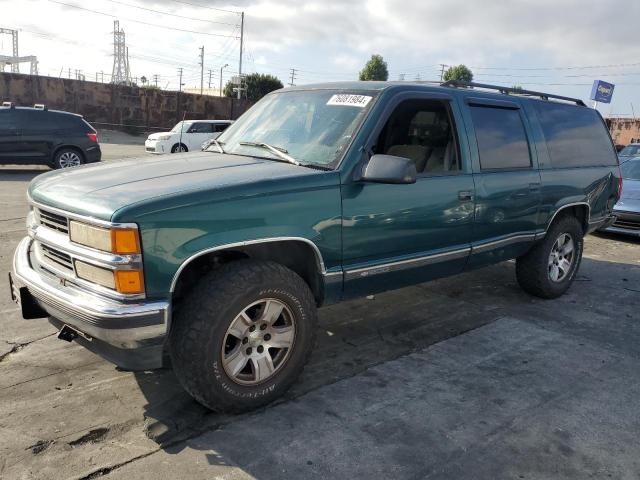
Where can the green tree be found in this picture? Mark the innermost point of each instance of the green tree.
(375, 69)
(460, 73)
(257, 86)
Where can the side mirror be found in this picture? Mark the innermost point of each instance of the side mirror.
(389, 169)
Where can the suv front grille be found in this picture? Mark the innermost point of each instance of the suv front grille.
(58, 258)
(53, 221)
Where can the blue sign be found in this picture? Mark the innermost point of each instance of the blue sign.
(602, 91)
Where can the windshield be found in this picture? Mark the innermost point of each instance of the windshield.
(185, 126)
(630, 150)
(631, 169)
(311, 127)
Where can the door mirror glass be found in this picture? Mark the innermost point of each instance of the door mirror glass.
(389, 169)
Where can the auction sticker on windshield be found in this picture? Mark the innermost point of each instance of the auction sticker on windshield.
(349, 100)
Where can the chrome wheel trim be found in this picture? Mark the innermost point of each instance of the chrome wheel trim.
(69, 159)
(258, 341)
(561, 257)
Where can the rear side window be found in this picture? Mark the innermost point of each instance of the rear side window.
(221, 127)
(502, 141)
(576, 136)
(201, 128)
(7, 120)
(36, 121)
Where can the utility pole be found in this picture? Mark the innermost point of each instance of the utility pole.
(241, 45)
(180, 81)
(155, 79)
(442, 67)
(293, 77)
(102, 76)
(221, 68)
(209, 79)
(201, 69)
(69, 73)
(401, 77)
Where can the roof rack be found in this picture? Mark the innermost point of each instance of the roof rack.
(511, 90)
(8, 104)
(40, 106)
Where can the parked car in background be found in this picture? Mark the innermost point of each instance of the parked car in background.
(39, 136)
(316, 195)
(185, 136)
(627, 210)
(631, 150)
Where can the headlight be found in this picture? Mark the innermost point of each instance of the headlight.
(115, 240)
(164, 137)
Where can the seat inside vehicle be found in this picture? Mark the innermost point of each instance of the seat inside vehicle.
(421, 131)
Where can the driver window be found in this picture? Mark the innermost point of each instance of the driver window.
(422, 130)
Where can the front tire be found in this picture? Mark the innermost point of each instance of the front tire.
(549, 268)
(179, 148)
(67, 157)
(243, 335)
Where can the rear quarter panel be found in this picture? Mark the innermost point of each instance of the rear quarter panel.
(596, 186)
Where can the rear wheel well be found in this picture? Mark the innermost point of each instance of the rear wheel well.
(67, 147)
(581, 212)
(298, 256)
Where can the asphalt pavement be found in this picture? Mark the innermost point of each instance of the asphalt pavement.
(465, 377)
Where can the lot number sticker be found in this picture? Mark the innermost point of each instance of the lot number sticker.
(350, 100)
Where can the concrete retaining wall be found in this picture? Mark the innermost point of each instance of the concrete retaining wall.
(112, 106)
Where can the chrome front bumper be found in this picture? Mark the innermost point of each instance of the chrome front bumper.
(110, 327)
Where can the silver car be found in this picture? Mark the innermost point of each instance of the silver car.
(627, 210)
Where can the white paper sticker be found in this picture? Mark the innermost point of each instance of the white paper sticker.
(349, 100)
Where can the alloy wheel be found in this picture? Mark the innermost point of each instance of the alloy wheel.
(258, 341)
(561, 257)
(69, 159)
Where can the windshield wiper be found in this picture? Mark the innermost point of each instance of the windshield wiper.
(277, 151)
(218, 145)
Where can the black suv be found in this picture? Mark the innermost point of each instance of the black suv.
(47, 137)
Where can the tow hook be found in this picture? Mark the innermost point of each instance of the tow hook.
(69, 334)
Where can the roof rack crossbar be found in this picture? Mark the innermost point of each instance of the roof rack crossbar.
(511, 90)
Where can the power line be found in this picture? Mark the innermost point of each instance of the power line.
(139, 21)
(169, 13)
(206, 6)
(559, 68)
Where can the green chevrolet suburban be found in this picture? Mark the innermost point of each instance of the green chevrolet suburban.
(218, 260)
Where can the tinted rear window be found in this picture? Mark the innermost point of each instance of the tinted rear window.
(576, 136)
(44, 121)
(502, 141)
(7, 119)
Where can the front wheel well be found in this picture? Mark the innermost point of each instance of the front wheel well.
(296, 255)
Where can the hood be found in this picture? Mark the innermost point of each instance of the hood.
(630, 198)
(155, 136)
(99, 190)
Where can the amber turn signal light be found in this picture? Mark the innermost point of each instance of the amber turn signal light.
(129, 281)
(125, 241)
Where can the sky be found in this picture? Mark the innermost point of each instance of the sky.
(556, 46)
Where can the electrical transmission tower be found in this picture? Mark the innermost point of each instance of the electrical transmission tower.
(121, 73)
(15, 59)
(292, 78)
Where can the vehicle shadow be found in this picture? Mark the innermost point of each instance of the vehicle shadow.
(357, 335)
(20, 174)
(351, 337)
